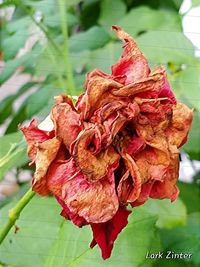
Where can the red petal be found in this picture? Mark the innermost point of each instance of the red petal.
(106, 233)
(34, 135)
(66, 213)
(96, 202)
(133, 65)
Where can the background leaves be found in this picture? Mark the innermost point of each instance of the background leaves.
(44, 238)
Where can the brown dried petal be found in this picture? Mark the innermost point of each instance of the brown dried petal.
(130, 184)
(180, 125)
(46, 153)
(96, 90)
(93, 166)
(67, 123)
(96, 202)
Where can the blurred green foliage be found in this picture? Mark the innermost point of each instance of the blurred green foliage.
(44, 239)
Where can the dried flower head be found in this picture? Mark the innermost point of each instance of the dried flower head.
(117, 146)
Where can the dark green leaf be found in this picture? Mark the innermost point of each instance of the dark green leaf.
(185, 239)
(190, 195)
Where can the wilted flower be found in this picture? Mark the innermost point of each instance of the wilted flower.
(117, 145)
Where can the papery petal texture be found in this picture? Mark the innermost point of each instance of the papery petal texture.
(117, 146)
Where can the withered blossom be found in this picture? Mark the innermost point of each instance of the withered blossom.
(118, 145)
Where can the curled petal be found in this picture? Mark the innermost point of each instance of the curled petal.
(130, 184)
(94, 167)
(158, 175)
(133, 65)
(167, 188)
(180, 125)
(35, 135)
(111, 127)
(97, 89)
(67, 123)
(106, 233)
(152, 84)
(46, 153)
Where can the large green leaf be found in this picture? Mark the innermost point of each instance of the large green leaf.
(38, 225)
(94, 38)
(111, 12)
(71, 245)
(104, 57)
(192, 147)
(12, 152)
(188, 85)
(169, 214)
(43, 235)
(185, 239)
(164, 47)
(143, 18)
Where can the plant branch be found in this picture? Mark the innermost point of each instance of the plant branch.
(64, 26)
(53, 44)
(14, 213)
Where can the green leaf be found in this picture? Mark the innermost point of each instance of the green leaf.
(192, 147)
(190, 195)
(164, 47)
(143, 18)
(31, 106)
(6, 105)
(38, 225)
(12, 152)
(173, 263)
(169, 214)
(185, 239)
(195, 3)
(188, 84)
(104, 57)
(71, 245)
(13, 43)
(111, 12)
(92, 39)
(27, 61)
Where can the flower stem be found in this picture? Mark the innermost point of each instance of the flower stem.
(64, 26)
(14, 213)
